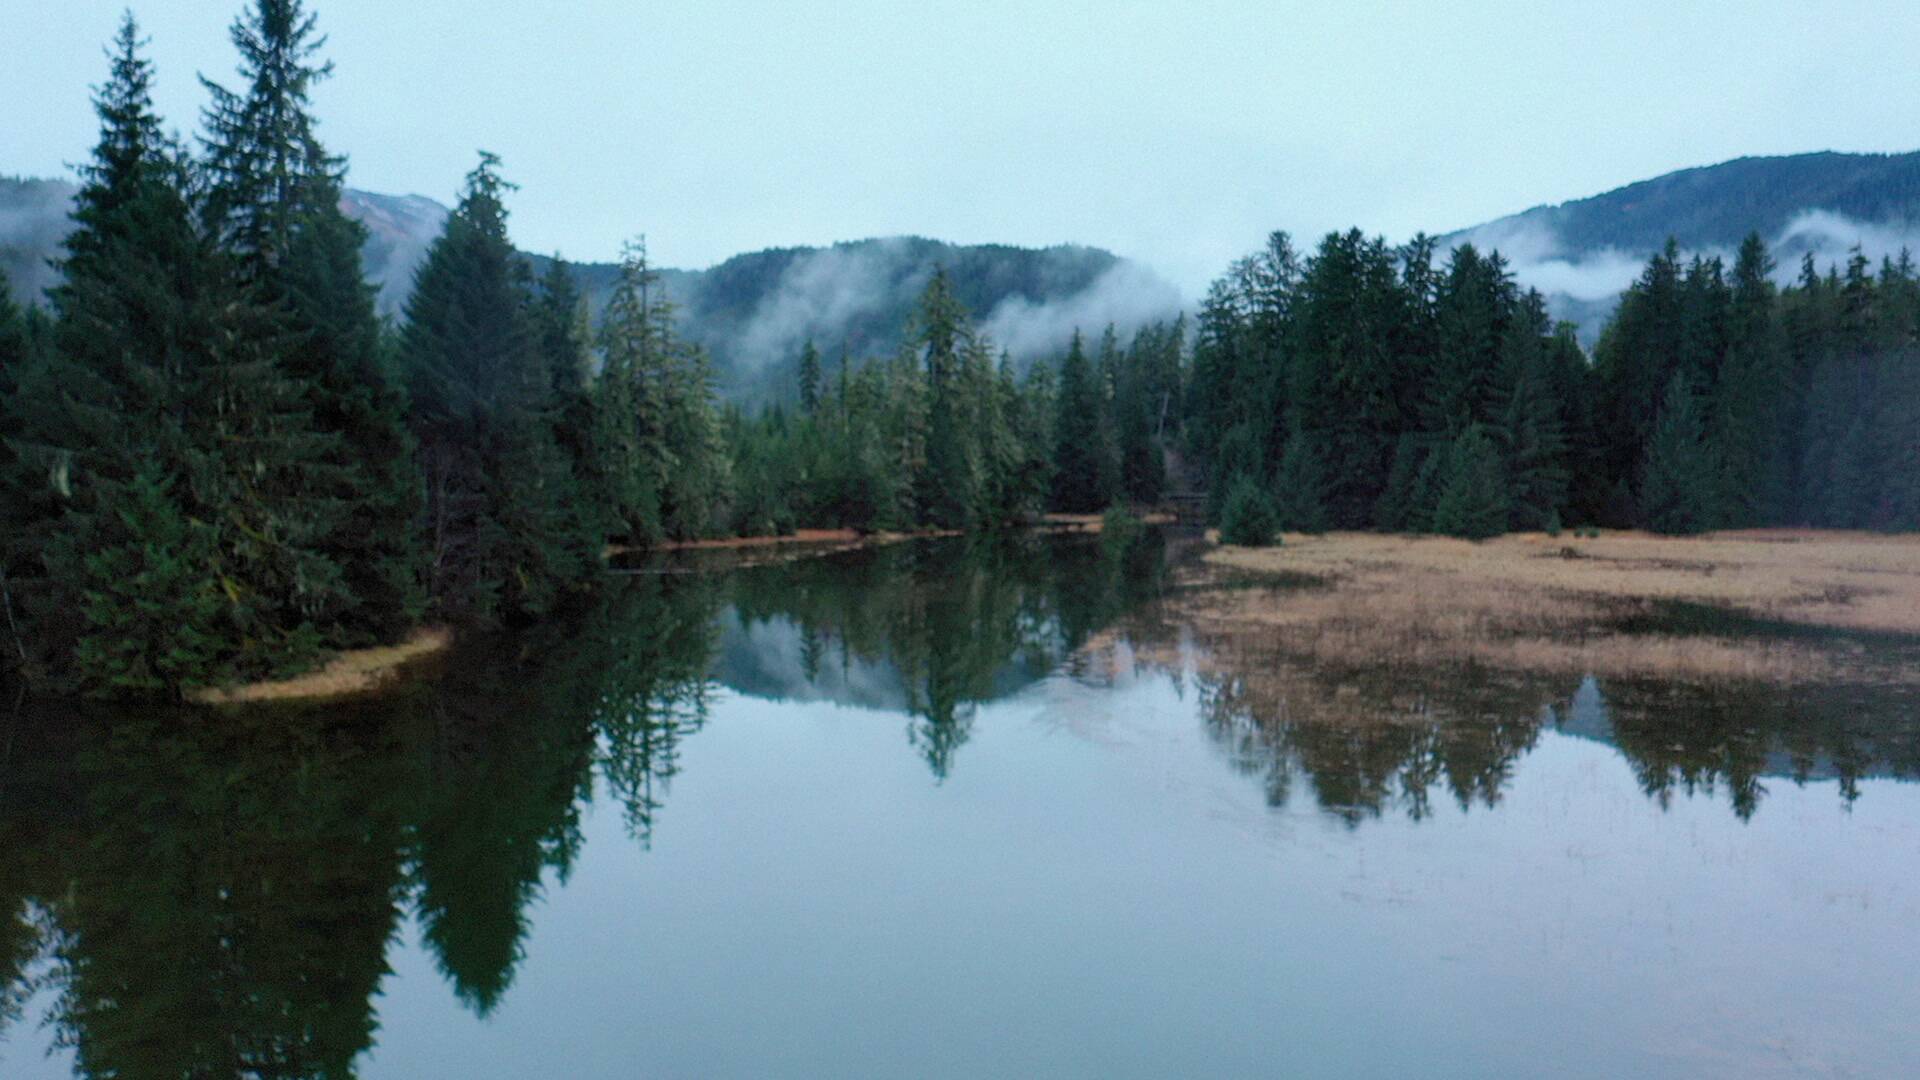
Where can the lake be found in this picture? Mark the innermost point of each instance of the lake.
(960, 809)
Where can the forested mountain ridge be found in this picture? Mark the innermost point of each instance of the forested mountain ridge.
(1716, 206)
(1583, 253)
(752, 312)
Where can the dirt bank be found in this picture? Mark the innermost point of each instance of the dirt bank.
(348, 674)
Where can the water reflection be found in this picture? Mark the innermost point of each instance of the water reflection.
(932, 630)
(210, 894)
(1366, 741)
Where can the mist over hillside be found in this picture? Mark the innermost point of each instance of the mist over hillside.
(33, 222)
(1583, 253)
(753, 312)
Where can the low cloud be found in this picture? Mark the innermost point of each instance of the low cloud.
(1584, 285)
(1127, 295)
(1831, 237)
(1538, 260)
(822, 292)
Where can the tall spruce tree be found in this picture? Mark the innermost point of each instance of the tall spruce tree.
(1473, 501)
(160, 431)
(1473, 306)
(630, 400)
(1300, 489)
(1531, 426)
(561, 328)
(809, 379)
(1143, 382)
(1678, 484)
(950, 493)
(508, 532)
(273, 204)
(1080, 474)
(696, 500)
(1746, 415)
(1343, 371)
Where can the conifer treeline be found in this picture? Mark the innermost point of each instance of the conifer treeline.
(946, 435)
(217, 463)
(1367, 387)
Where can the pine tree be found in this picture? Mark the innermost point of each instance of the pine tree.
(1531, 428)
(809, 379)
(1473, 500)
(950, 491)
(1677, 479)
(154, 619)
(507, 532)
(162, 368)
(1474, 305)
(1080, 474)
(1034, 429)
(630, 401)
(1635, 361)
(1396, 510)
(274, 205)
(1746, 414)
(562, 329)
(1248, 518)
(695, 501)
(14, 511)
(1343, 370)
(1142, 469)
(1300, 489)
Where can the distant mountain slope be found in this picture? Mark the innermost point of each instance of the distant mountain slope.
(1583, 253)
(400, 228)
(1715, 206)
(753, 312)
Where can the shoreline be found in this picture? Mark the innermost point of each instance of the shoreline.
(349, 674)
(361, 672)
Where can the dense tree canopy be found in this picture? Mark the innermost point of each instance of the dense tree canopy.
(219, 465)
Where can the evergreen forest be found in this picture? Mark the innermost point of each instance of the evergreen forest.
(219, 463)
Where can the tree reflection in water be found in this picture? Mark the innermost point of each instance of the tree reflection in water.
(1369, 740)
(215, 893)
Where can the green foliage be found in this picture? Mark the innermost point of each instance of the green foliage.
(1677, 486)
(508, 530)
(949, 491)
(1532, 420)
(152, 617)
(810, 386)
(1080, 475)
(272, 201)
(1300, 491)
(164, 366)
(1248, 517)
(1396, 511)
(1473, 500)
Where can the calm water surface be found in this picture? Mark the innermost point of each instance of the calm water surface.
(961, 810)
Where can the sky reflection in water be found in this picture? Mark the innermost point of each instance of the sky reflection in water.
(960, 810)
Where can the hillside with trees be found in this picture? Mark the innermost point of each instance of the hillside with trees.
(219, 464)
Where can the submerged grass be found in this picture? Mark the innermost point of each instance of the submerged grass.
(1772, 606)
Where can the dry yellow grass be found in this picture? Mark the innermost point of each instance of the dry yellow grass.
(358, 671)
(1606, 605)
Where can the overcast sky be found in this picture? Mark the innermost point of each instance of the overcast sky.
(1176, 133)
